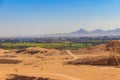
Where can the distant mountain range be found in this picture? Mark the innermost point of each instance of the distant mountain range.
(85, 33)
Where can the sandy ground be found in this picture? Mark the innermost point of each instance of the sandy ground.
(52, 67)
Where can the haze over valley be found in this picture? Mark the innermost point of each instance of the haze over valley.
(85, 33)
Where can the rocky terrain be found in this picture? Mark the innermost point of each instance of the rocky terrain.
(99, 62)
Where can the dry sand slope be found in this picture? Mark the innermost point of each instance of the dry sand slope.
(50, 64)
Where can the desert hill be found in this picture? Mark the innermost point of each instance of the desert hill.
(105, 55)
(36, 63)
(38, 50)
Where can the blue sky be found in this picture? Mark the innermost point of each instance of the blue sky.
(36, 17)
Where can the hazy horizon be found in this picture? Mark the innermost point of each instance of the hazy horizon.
(37, 17)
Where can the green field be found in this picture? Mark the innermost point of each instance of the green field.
(45, 45)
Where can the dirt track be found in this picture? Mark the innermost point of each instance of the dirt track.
(71, 54)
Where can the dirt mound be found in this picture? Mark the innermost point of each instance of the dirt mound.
(31, 50)
(103, 60)
(2, 50)
(9, 61)
(36, 50)
(110, 47)
(21, 77)
(99, 49)
(112, 57)
(113, 46)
